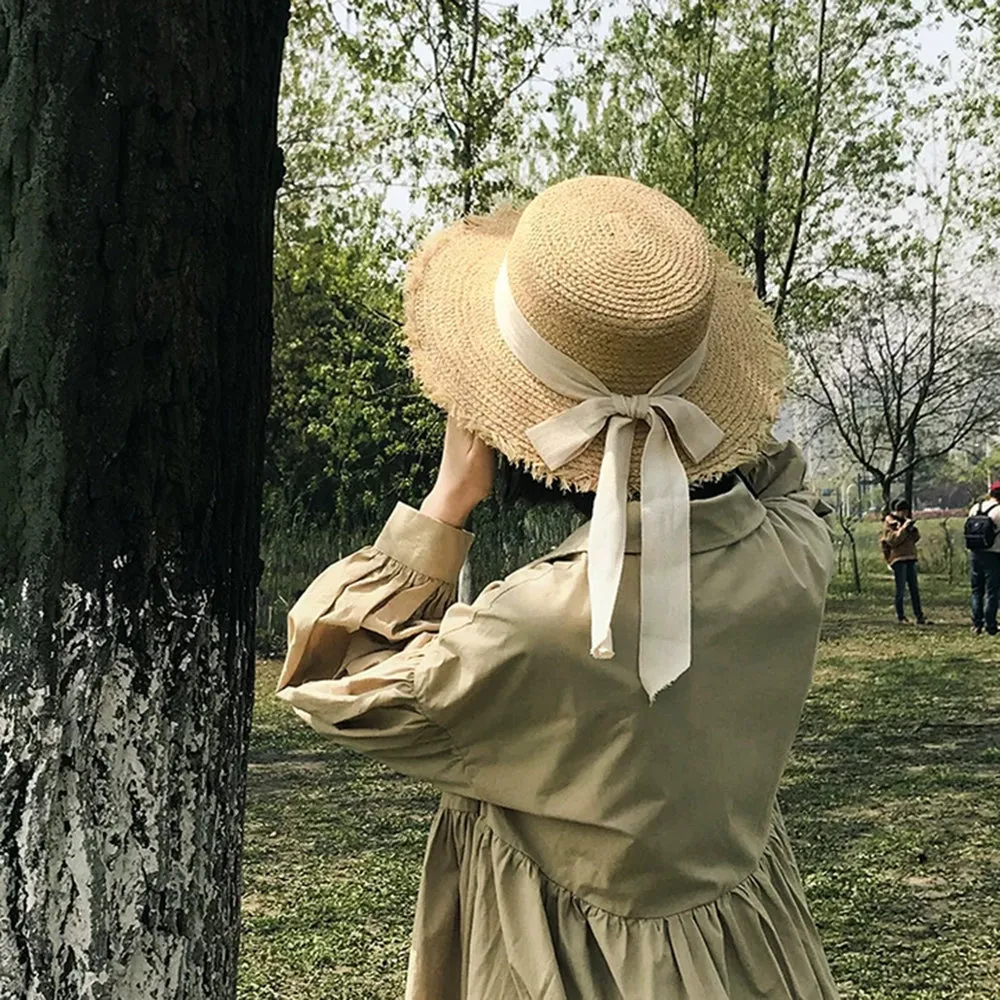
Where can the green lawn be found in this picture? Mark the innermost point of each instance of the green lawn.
(892, 801)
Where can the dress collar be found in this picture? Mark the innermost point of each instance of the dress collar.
(715, 523)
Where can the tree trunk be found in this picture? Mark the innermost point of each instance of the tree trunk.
(761, 213)
(949, 549)
(911, 462)
(138, 169)
(886, 485)
(845, 524)
(464, 593)
(471, 113)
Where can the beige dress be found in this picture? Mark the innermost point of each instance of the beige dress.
(588, 846)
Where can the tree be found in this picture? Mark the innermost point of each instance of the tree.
(348, 432)
(902, 375)
(138, 168)
(899, 357)
(330, 158)
(847, 524)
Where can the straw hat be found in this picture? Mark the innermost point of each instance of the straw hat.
(621, 279)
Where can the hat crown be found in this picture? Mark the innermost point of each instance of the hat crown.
(615, 275)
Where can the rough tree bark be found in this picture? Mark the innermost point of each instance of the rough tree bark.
(138, 169)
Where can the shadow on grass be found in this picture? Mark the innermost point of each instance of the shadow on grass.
(891, 797)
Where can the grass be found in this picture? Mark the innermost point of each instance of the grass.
(891, 797)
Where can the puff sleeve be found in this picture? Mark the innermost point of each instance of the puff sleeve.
(778, 473)
(343, 674)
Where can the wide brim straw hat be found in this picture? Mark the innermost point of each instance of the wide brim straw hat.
(624, 281)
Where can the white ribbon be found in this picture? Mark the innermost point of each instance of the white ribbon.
(665, 571)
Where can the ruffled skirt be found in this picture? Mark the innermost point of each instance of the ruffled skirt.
(491, 926)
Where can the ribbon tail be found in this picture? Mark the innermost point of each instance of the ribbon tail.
(606, 542)
(665, 565)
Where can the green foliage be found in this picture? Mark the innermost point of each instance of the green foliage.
(795, 131)
(348, 432)
(433, 97)
(449, 89)
(960, 476)
(327, 152)
(767, 121)
(348, 429)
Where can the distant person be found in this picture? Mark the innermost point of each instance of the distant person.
(899, 547)
(982, 539)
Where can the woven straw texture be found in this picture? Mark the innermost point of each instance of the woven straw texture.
(620, 278)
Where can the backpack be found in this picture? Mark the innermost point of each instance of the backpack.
(980, 530)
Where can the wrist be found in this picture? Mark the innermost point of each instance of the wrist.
(448, 505)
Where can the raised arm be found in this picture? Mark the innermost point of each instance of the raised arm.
(362, 633)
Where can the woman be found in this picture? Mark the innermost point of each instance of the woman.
(899, 547)
(608, 725)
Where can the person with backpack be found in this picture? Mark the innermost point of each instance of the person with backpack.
(982, 539)
(899, 548)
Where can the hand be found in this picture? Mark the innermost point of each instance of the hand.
(464, 478)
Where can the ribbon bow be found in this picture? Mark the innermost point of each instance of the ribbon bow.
(665, 572)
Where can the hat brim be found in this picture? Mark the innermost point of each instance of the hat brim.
(463, 364)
